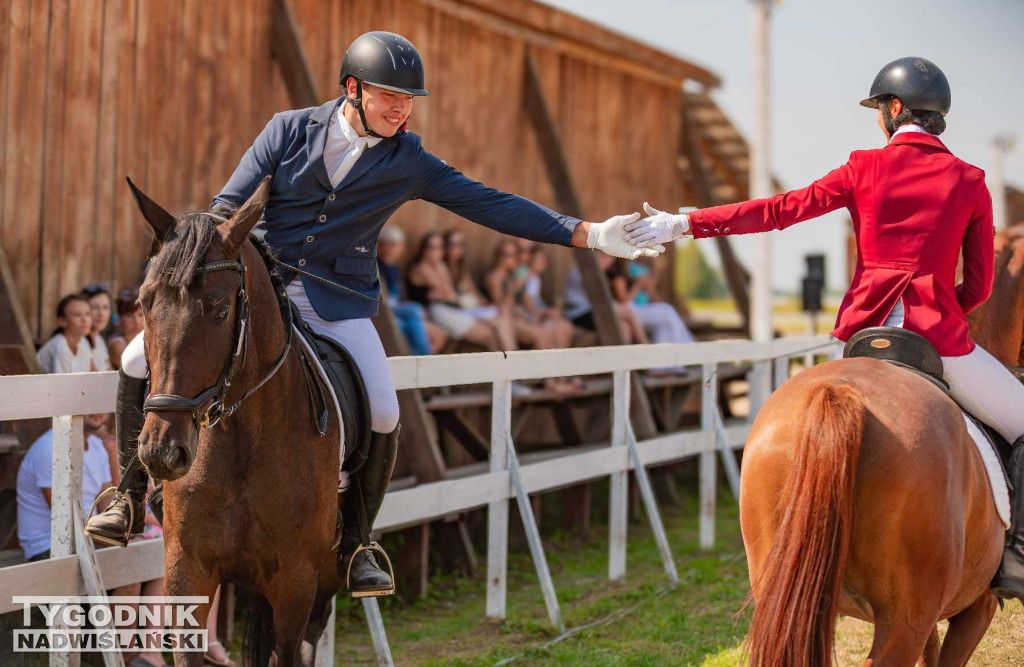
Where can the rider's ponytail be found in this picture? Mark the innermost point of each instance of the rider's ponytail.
(932, 121)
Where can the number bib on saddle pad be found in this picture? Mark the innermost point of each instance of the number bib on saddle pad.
(335, 383)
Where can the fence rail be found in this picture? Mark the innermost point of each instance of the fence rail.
(57, 396)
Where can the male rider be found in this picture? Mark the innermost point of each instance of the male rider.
(339, 172)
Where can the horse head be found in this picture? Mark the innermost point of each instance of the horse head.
(998, 324)
(195, 302)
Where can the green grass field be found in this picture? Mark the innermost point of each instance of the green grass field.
(640, 622)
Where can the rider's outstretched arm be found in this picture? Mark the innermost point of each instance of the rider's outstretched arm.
(829, 193)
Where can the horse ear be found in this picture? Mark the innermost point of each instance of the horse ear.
(236, 230)
(160, 220)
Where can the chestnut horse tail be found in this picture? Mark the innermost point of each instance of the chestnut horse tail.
(796, 597)
(258, 631)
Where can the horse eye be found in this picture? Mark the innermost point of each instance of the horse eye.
(221, 314)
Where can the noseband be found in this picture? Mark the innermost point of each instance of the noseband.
(210, 406)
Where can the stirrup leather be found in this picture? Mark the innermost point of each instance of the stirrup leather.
(119, 496)
(372, 547)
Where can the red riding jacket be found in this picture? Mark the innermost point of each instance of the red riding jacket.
(914, 206)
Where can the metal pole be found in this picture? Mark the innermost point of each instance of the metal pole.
(1000, 146)
(760, 188)
(380, 639)
(643, 481)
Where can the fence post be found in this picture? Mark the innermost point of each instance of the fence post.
(781, 371)
(708, 463)
(497, 512)
(68, 442)
(618, 508)
(325, 646)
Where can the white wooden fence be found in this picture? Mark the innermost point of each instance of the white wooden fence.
(61, 396)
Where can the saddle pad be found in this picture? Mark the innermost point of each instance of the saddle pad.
(996, 476)
(343, 479)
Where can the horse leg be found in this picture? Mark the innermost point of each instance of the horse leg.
(965, 631)
(930, 658)
(182, 578)
(291, 598)
(896, 644)
(318, 620)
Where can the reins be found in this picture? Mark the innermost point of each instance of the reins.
(210, 406)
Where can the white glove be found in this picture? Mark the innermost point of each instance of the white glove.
(608, 237)
(659, 227)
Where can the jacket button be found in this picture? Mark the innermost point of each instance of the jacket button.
(323, 218)
(718, 231)
(332, 198)
(302, 262)
(726, 230)
(309, 239)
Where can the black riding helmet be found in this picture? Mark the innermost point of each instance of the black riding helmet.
(385, 60)
(916, 81)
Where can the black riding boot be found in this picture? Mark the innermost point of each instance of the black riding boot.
(125, 514)
(1009, 581)
(369, 483)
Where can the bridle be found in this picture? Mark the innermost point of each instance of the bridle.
(211, 406)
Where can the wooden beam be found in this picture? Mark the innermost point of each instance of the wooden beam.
(736, 276)
(609, 330)
(286, 47)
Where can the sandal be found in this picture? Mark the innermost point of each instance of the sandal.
(209, 660)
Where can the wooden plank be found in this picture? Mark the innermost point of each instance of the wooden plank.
(82, 102)
(15, 330)
(52, 178)
(736, 276)
(59, 577)
(133, 239)
(107, 179)
(465, 433)
(291, 57)
(5, 59)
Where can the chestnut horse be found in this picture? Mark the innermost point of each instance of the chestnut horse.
(250, 490)
(862, 494)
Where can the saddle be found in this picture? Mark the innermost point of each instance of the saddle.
(913, 352)
(333, 381)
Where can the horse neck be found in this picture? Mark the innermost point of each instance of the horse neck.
(998, 324)
(267, 338)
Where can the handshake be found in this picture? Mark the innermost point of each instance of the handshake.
(630, 237)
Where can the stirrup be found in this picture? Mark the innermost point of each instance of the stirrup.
(372, 547)
(118, 495)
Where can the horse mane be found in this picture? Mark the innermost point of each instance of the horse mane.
(184, 249)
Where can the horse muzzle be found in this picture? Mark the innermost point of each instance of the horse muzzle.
(167, 445)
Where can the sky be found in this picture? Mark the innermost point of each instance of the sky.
(825, 54)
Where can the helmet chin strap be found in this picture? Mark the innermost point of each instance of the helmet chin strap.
(357, 104)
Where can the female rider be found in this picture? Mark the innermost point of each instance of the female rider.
(914, 206)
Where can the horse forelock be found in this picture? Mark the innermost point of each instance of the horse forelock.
(183, 251)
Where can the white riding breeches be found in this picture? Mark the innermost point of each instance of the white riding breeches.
(981, 385)
(357, 336)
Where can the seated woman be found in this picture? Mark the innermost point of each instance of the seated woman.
(68, 350)
(102, 326)
(431, 284)
(130, 323)
(580, 313)
(634, 283)
(506, 287)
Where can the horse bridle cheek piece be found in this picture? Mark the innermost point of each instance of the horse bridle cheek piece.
(210, 406)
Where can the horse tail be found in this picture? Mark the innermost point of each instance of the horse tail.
(796, 596)
(258, 631)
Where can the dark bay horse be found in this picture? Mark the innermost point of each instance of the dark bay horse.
(863, 495)
(249, 497)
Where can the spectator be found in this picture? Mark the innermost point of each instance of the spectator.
(532, 301)
(431, 283)
(579, 312)
(130, 323)
(68, 350)
(424, 337)
(634, 283)
(102, 327)
(35, 484)
(506, 285)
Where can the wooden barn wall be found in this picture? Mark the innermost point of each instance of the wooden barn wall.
(172, 94)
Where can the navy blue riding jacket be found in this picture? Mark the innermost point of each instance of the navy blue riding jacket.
(332, 232)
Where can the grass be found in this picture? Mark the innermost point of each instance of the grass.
(694, 624)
